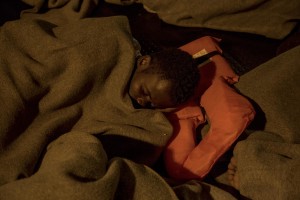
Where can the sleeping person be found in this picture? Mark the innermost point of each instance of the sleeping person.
(160, 81)
(215, 102)
(157, 81)
(175, 88)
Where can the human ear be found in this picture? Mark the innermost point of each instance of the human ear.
(143, 62)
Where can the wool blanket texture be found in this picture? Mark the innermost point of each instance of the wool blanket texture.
(68, 129)
(269, 159)
(270, 18)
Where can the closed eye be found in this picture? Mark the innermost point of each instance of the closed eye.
(146, 93)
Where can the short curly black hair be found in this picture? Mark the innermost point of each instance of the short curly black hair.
(179, 67)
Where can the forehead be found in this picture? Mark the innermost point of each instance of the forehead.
(160, 91)
(153, 84)
(162, 87)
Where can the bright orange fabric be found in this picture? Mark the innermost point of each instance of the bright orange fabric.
(228, 112)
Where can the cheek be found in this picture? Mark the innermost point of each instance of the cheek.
(168, 103)
(163, 103)
(133, 88)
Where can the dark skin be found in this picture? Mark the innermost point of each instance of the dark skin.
(148, 89)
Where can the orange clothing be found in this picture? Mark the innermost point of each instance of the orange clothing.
(228, 113)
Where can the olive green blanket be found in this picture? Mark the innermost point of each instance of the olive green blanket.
(271, 18)
(68, 129)
(64, 81)
(269, 159)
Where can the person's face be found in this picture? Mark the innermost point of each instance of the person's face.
(147, 89)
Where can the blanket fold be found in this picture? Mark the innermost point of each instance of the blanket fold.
(59, 11)
(269, 159)
(65, 81)
(75, 166)
(270, 18)
(68, 129)
(84, 66)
